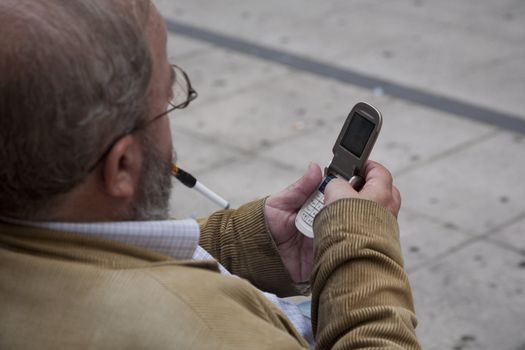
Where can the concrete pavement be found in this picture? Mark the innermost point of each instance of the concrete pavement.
(262, 116)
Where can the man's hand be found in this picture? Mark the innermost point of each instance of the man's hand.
(296, 249)
(378, 188)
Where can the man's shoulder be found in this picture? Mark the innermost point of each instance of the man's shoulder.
(151, 304)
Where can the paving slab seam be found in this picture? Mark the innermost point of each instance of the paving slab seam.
(444, 255)
(505, 245)
(483, 237)
(428, 99)
(257, 153)
(257, 150)
(449, 152)
(438, 221)
(248, 158)
(242, 154)
(492, 236)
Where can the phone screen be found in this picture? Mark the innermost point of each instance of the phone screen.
(357, 135)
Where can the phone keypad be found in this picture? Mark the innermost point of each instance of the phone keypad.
(313, 208)
(305, 218)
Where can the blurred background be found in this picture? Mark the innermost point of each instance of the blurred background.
(276, 79)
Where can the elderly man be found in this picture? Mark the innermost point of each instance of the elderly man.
(88, 257)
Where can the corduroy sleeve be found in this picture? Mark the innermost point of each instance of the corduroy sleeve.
(240, 241)
(361, 294)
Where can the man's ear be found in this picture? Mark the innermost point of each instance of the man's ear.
(122, 168)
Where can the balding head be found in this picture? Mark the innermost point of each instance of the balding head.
(75, 75)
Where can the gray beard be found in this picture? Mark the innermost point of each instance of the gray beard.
(153, 192)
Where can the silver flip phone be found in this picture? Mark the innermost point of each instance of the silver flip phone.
(351, 150)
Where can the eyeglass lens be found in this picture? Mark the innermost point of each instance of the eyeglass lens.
(181, 88)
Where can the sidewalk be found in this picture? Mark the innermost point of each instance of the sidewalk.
(261, 117)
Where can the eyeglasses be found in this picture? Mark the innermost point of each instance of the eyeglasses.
(183, 92)
(182, 95)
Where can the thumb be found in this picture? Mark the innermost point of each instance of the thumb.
(308, 183)
(294, 196)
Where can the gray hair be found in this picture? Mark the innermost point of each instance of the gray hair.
(74, 76)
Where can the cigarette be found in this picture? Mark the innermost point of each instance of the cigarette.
(190, 181)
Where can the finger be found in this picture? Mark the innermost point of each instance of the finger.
(299, 191)
(294, 196)
(374, 170)
(377, 176)
(378, 186)
(396, 201)
(397, 195)
(338, 189)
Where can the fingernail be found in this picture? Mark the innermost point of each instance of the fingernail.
(310, 165)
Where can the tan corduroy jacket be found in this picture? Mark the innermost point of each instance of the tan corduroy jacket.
(62, 290)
